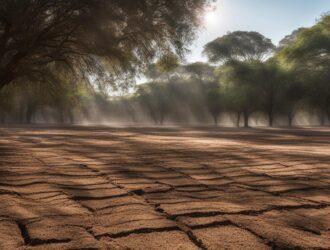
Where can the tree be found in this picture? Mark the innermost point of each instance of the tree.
(214, 102)
(163, 68)
(268, 79)
(238, 85)
(292, 93)
(167, 63)
(199, 70)
(62, 94)
(309, 56)
(7, 106)
(67, 97)
(154, 97)
(292, 90)
(240, 46)
(289, 39)
(91, 36)
(241, 53)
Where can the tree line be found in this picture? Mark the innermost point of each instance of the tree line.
(56, 66)
(246, 75)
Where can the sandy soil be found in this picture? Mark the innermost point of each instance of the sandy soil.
(174, 188)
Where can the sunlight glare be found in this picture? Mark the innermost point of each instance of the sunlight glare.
(210, 17)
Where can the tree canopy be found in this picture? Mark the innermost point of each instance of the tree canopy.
(238, 45)
(308, 56)
(103, 38)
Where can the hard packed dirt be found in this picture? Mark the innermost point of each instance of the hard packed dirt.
(164, 188)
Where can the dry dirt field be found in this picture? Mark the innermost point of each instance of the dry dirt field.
(170, 188)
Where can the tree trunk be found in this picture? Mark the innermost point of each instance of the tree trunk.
(238, 119)
(270, 117)
(246, 119)
(215, 119)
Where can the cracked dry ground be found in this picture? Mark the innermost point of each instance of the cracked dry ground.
(151, 188)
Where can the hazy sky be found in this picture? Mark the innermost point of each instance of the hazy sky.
(272, 18)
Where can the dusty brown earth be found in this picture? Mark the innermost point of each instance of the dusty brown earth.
(174, 188)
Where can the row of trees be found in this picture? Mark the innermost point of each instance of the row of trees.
(246, 75)
(51, 49)
(252, 75)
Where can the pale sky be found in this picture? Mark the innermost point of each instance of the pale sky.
(272, 18)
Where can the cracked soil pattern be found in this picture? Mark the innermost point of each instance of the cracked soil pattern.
(164, 188)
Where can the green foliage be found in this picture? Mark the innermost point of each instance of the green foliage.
(308, 56)
(92, 36)
(290, 39)
(199, 70)
(61, 94)
(239, 45)
(167, 63)
(237, 83)
(214, 102)
(247, 81)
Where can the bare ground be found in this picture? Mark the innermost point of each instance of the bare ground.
(174, 188)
